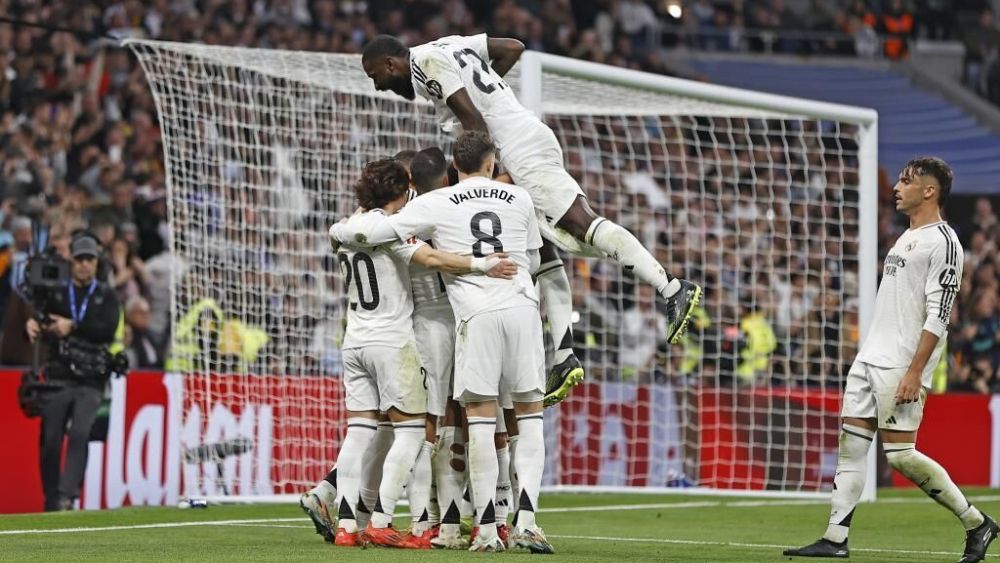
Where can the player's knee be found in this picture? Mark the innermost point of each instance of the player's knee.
(578, 219)
(900, 456)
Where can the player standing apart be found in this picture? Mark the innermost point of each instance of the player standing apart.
(498, 348)
(887, 385)
(453, 73)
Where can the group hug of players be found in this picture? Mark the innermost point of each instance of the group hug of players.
(444, 362)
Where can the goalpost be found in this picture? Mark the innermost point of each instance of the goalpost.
(769, 202)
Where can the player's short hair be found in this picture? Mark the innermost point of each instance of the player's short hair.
(381, 181)
(471, 151)
(936, 168)
(427, 169)
(382, 46)
(404, 157)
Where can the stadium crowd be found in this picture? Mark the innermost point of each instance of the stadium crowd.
(82, 149)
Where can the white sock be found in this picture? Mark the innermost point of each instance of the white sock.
(622, 246)
(407, 440)
(356, 441)
(483, 469)
(371, 472)
(933, 480)
(849, 481)
(503, 499)
(449, 473)
(419, 490)
(327, 491)
(515, 490)
(557, 299)
(530, 462)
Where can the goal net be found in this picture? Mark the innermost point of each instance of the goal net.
(761, 199)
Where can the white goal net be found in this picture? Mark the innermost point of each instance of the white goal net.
(757, 200)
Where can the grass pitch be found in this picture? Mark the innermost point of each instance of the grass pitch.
(901, 526)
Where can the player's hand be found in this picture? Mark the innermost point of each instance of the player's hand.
(908, 390)
(498, 266)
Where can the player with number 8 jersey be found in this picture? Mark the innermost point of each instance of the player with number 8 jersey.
(498, 348)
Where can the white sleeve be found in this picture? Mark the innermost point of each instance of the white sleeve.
(944, 277)
(404, 251)
(478, 44)
(364, 230)
(413, 220)
(440, 72)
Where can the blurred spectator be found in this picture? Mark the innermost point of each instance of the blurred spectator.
(981, 42)
(142, 350)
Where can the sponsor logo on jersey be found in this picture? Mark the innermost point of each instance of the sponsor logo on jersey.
(893, 262)
(948, 277)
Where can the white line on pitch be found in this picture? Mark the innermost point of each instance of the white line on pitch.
(149, 526)
(598, 508)
(741, 544)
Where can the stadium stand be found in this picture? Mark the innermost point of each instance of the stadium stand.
(81, 143)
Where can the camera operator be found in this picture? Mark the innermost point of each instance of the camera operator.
(79, 327)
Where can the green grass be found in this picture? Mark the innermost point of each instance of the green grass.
(901, 526)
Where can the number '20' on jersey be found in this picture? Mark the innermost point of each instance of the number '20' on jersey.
(377, 281)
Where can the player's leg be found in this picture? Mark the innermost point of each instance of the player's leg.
(404, 398)
(423, 505)
(371, 470)
(362, 400)
(898, 424)
(510, 418)
(524, 373)
(501, 441)
(857, 434)
(450, 475)
(557, 301)
(618, 243)
(478, 367)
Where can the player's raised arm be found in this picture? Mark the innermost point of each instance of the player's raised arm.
(461, 104)
(503, 52)
(495, 266)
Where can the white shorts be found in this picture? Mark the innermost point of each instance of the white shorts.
(538, 168)
(500, 354)
(434, 329)
(871, 393)
(377, 378)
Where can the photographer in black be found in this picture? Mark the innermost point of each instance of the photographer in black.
(78, 327)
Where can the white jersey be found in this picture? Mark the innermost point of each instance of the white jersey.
(441, 68)
(380, 305)
(920, 279)
(427, 285)
(479, 217)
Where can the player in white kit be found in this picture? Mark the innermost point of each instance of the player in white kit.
(468, 93)
(498, 345)
(887, 385)
(382, 369)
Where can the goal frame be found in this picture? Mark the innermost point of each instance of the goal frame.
(533, 65)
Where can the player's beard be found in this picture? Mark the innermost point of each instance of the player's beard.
(403, 85)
